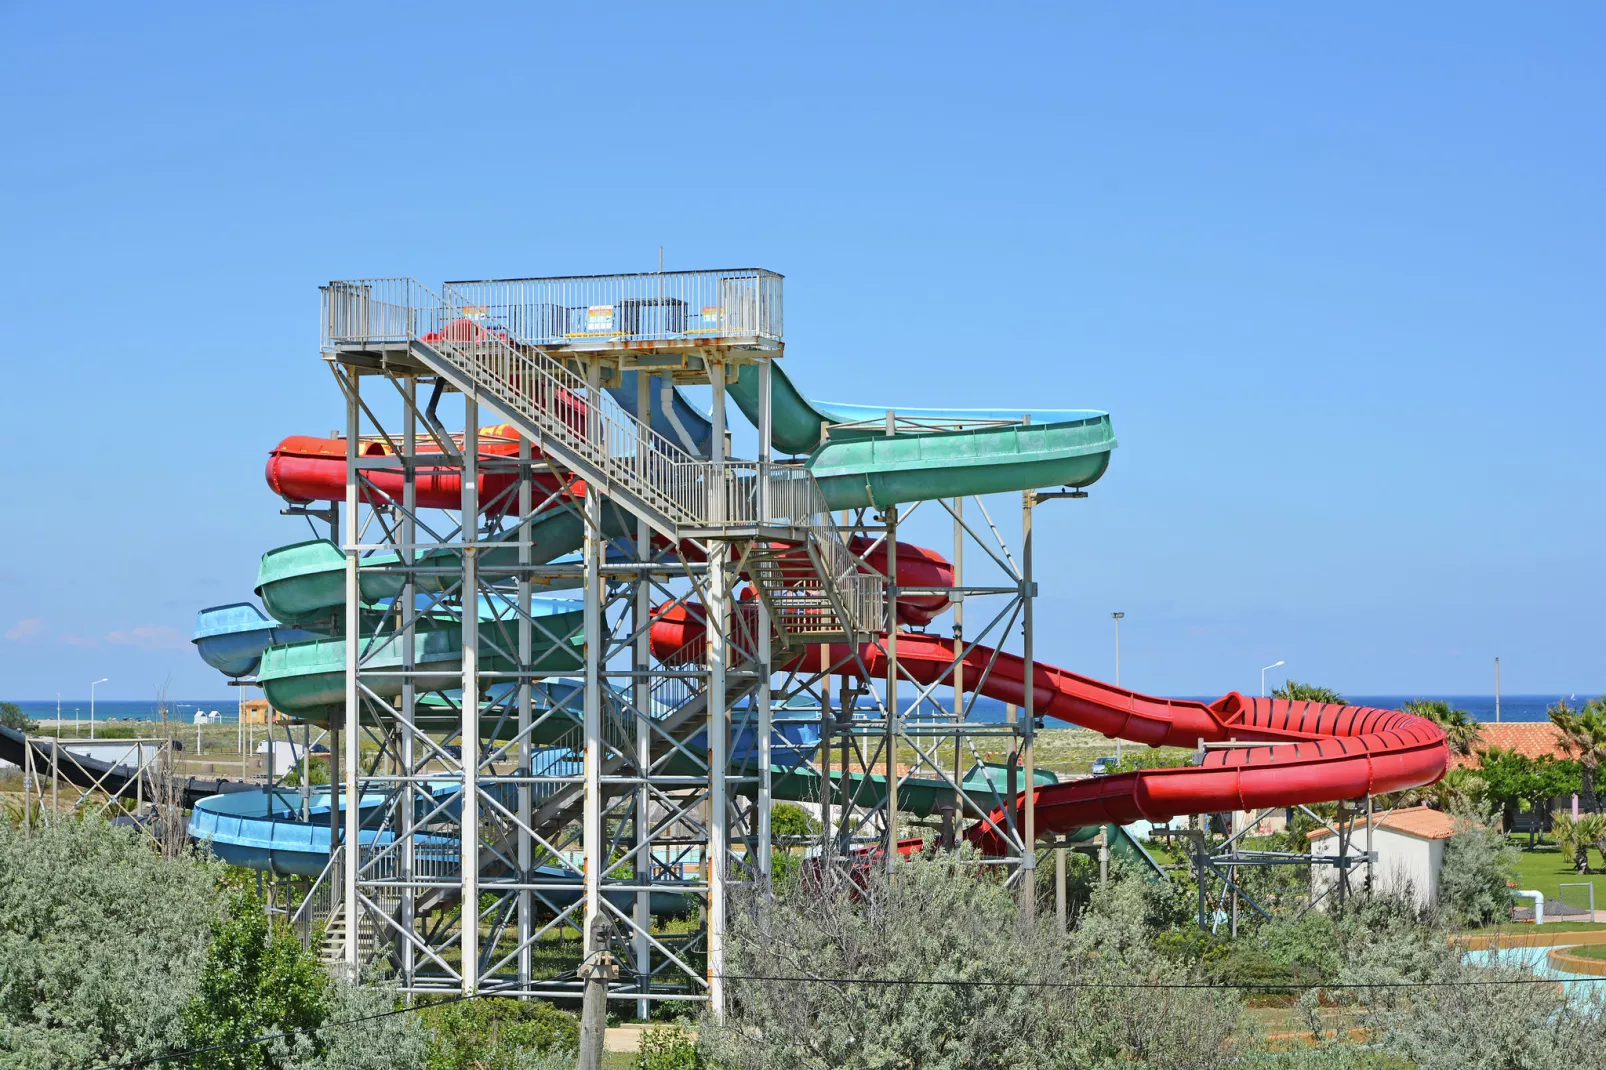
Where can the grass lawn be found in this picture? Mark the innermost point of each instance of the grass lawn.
(1544, 870)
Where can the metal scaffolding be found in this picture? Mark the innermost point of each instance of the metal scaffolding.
(523, 786)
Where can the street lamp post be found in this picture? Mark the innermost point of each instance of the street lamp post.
(1117, 618)
(1273, 665)
(92, 706)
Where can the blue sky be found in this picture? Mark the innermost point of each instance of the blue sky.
(1335, 273)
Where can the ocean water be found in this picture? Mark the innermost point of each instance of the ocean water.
(129, 709)
(985, 710)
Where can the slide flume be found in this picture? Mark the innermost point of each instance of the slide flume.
(1291, 752)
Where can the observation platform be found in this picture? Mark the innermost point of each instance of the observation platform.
(661, 322)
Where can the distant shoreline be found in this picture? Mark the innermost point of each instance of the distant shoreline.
(1516, 709)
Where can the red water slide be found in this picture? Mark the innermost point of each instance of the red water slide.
(305, 468)
(1317, 753)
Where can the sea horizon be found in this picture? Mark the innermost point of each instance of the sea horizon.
(1513, 708)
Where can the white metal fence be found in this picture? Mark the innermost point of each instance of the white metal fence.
(647, 307)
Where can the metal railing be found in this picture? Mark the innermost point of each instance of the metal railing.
(321, 900)
(670, 306)
(605, 442)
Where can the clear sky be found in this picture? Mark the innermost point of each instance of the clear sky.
(1336, 273)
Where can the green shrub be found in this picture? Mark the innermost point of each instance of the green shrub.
(496, 1034)
(667, 1047)
(1479, 865)
(257, 980)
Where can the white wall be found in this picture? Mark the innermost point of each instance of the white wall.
(1403, 861)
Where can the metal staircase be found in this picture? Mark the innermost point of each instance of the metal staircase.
(586, 431)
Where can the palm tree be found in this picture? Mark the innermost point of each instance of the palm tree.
(1299, 692)
(1583, 737)
(1459, 727)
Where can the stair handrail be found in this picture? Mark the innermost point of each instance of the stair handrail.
(326, 887)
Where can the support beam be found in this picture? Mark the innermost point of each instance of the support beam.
(592, 842)
(718, 719)
(892, 684)
(353, 697)
(408, 533)
(526, 846)
(1028, 886)
(469, 931)
(641, 699)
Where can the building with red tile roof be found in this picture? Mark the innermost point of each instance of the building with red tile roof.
(1532, 739)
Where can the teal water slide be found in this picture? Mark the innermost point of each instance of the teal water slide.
(930, 453)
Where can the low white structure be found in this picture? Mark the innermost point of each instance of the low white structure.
(1409, 844)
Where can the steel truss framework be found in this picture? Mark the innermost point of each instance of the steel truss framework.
(554, 774)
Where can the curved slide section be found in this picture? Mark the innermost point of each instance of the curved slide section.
(936, 453)
(263, 830)
(232, 638)
(306, 468)
(1300, 752)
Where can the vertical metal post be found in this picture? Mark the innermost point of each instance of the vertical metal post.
(1368, 884)
(409, 652)
(55, 773)
(1061, 906)
(718, 716)
(353, 625)
(641, 698)
(469, 911)
(892, 683)
(591, 820)
(525, 798)
(958, 602)
(1028, 888)
(762, 640)
(334, 798)
(827, 734)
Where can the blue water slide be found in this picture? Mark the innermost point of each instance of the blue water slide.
(231, 638)
(679, 420)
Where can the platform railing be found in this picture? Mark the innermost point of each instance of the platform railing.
(669, 306)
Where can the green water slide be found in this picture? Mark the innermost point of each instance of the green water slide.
(931, 453)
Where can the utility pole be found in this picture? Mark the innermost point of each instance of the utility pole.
(1496, 690)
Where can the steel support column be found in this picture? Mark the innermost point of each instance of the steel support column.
(469, 910)
(353, 696)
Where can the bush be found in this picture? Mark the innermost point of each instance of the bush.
(789, 819)
(258, 979)
(102, 942)
(496, 1034)
(667, 1047)
(1013, 994)
(1478, 868)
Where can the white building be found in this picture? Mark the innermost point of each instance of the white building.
(1410, 849)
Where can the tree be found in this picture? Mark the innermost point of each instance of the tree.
(1298, 692)
(1583, 737)
(1506, 777)
(12, 717)
(1460, 729)
(258, 979)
